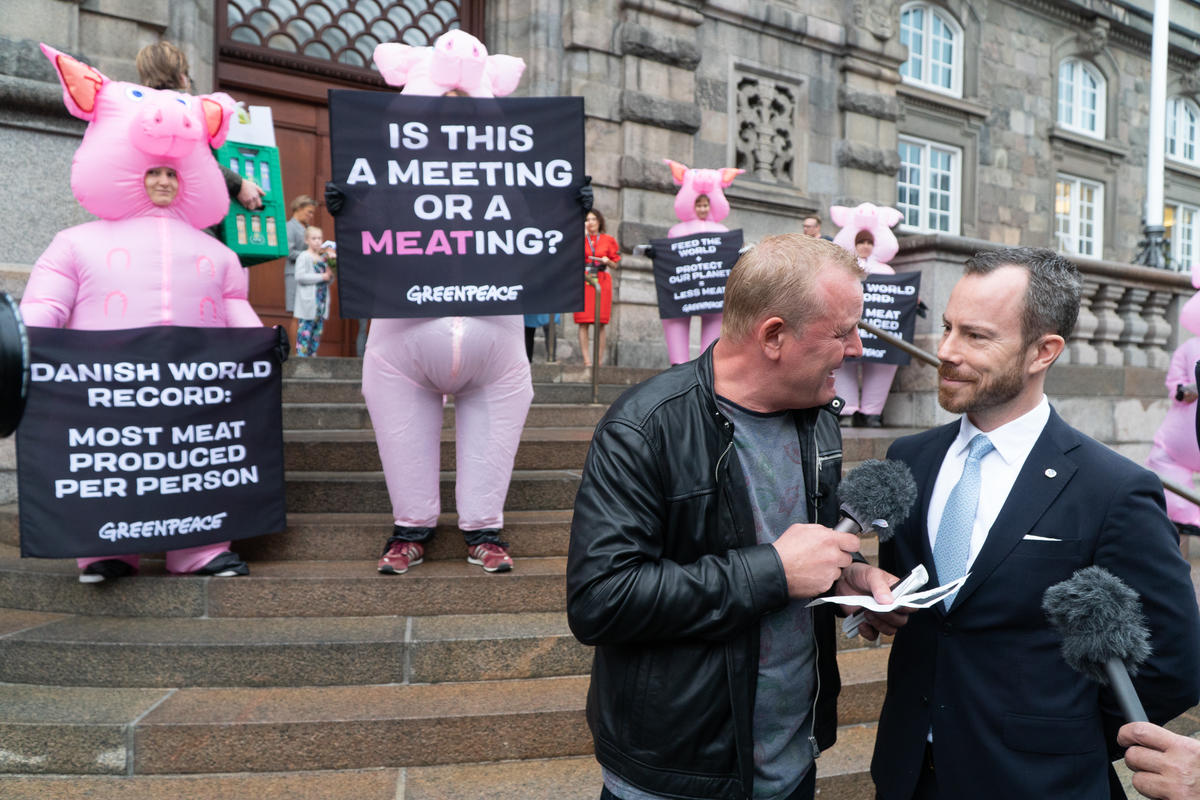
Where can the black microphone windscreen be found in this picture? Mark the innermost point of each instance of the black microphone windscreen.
(879, 490)
(1099, 618)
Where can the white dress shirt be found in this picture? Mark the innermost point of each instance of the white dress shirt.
(998, 471)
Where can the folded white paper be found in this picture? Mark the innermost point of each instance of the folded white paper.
(923, 599)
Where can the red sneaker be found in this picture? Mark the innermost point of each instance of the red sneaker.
(492, 557)
(400, 556)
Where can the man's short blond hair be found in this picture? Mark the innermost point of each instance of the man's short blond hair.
(777, 278)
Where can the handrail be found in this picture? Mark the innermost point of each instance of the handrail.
(895, 341)
(933, 361)
(595, 282)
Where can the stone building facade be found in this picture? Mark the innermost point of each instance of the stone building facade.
(953, 109)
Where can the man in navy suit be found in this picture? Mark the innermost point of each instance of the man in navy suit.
(980, 703)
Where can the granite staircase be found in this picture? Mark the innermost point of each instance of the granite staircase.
(317, 677)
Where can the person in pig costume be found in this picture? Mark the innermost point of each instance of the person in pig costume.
(1175, 453)
(146, 170)
(865, 408)
(700, 205)
(411, 364)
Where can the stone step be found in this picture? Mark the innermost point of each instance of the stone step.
(330, 368)
(361, 537)
(568, 778)
(366, 492)
(287, 589)
(540, 448)
(841, 775)
(354, 416)
(333, 390)
(92, 730)
(292, 651)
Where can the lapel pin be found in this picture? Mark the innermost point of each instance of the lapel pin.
(1050, 473)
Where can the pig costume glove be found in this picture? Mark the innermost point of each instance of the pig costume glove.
(335, 198)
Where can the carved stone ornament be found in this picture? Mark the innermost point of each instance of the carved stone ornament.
(877, 16)
(766, 111)
(1189, 82)
(1093, 39)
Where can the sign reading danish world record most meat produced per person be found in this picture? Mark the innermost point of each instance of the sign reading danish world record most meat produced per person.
(149, 439)
(457, 206)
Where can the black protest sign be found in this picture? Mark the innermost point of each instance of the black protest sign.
(149, 439)
(890, 304)
(457, 206)
(690, 272)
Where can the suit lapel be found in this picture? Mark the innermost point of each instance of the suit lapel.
(1027, 501)
(925, 471)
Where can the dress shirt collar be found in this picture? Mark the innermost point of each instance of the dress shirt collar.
(1012, 440)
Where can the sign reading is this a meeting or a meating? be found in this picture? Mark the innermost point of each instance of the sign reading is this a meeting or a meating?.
(457, 206)
(149, 439)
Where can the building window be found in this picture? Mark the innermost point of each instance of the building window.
(927, 191)
(1081, 98)
(1079, 216)
(1183, 127)
(1183, 232)
(934, 42)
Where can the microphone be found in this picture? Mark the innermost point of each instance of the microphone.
(876, 495)
(1103, 630)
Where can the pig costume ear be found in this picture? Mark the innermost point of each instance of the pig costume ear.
(81, 83)
(879, 220)
(132, 129)
(457, 60)
(1189, 314)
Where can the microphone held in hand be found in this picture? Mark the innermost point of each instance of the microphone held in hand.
(876, 494)
(1103, 630)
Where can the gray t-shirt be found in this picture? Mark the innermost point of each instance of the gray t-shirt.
(769, 452)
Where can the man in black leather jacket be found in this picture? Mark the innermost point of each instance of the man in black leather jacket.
(670, 574)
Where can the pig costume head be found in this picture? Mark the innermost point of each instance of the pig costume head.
(1189, 315)
(696, 182)
(879, 220)
(457, 60)
(132, 129)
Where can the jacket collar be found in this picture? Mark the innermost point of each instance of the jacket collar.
(704, 376)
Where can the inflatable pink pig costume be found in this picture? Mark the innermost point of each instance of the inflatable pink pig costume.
(410, 364)
(876, 378)
(1175, 453)
(696, 183)
(141, 264)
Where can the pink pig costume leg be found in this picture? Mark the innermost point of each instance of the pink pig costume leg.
(409, 365)
(845, 385)
(189, 559)
(876, 383)
(678, 334)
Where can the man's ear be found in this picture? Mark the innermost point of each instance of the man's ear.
(768, 334)
(1046, 351)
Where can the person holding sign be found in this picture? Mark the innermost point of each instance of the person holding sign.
(411, 364)
(600, 252)
(145, 168)
(700, 205)
(860, 227)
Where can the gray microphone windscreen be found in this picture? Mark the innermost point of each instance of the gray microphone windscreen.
(1099, 618)
(878, 490)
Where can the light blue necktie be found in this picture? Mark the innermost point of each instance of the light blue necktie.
(953, 543)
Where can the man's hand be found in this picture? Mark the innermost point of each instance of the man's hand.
(813, 557)
(250, 195)
(1166, 766)
(861, 578)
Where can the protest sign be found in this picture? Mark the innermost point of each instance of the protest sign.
(890, 304)
(690, 272)
(149, 439)
(457, 206)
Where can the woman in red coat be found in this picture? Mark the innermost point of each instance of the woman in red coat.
(601, 253)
